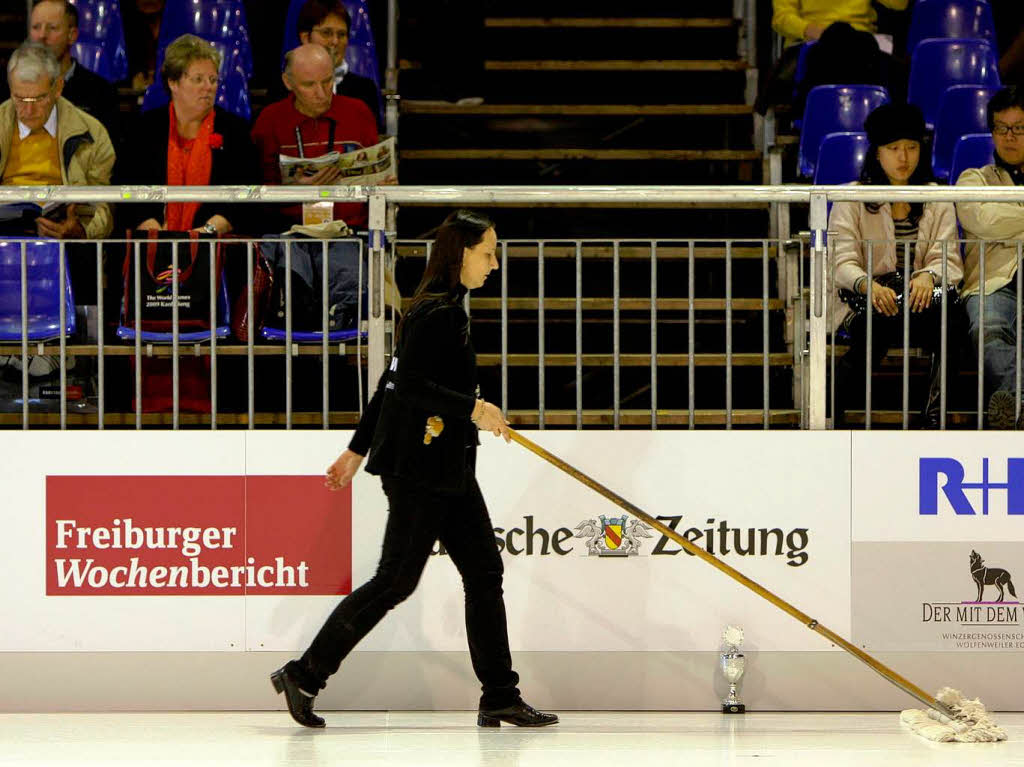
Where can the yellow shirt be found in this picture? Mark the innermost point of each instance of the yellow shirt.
(33, 161)
(791, 17)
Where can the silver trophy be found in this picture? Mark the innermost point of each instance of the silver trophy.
(732, 662)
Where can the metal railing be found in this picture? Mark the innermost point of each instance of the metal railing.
(807, 268)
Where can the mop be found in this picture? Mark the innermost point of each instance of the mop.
(947, 716)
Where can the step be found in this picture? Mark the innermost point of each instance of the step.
(659, 155)
(666, 417)
(632, 252)
(522, 303)
(740, 359)
(414, 107)
(578, 22)
(618, 65)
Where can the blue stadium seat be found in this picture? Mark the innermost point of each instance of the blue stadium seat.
(938, 64)
(832, 109)
(44, 299)
(99, 21)
(361, 54)
(975, 150)
(311, 337)
(94, 57)
(963, 111)
(221, 21)
(223, 329)
(967, 19)
(841, 157)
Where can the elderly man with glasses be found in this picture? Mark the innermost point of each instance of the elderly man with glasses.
(47, 140)
(1000, 226)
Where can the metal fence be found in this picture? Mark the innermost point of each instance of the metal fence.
(801, 294)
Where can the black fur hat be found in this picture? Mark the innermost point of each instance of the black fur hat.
(892, 122)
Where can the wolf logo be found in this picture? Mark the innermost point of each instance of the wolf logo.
(989, 576)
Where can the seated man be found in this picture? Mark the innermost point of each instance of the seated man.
(328, 23)
(311, 122)
(45, 139)
(54, 23)
(1000, 225)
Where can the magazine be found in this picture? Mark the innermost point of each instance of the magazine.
(369, 166)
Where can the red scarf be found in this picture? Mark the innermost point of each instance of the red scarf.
(188, 164)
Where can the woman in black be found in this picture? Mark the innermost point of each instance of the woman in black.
(420, 428)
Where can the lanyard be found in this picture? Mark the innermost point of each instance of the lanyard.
(332, 125)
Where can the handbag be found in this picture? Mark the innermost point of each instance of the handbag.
(858, 302)
(156, 279)
(262, 290)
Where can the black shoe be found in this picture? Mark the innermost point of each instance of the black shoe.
(300, 705)
(1001, 411)
(521, 715)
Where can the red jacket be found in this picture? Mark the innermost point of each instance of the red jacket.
(274, 134)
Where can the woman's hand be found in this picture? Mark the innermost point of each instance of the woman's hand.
(883, 299)
(340, 473)
(921, 288)
(221, 224)
(491, 419)
(150, 224)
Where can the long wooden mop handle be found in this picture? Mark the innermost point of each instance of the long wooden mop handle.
(904, 684)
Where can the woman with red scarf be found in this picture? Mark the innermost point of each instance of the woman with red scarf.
(190, 142)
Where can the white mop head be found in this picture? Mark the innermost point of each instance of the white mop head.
(971, 725)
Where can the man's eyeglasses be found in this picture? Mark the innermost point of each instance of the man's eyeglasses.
(28, 100)
(1002, 130)
(332, 33)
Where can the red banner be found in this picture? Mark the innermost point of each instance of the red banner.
(197, 535)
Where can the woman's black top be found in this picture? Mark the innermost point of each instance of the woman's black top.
(145, 162)
(432, 374)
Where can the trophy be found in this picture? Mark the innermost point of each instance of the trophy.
(732, 662)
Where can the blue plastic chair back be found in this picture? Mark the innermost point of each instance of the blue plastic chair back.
(361, 53)
(938, 64)
(221, 21)
(841, 157)
(99, 21)
(222, 330)
(94, 57)
(967, 19)
(43, 267)
(974, 150)
(834, 109)
(963, 111)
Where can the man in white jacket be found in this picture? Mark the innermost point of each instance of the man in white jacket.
(1000, 225)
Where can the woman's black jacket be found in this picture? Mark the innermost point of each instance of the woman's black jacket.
(145, 163)
(432, 374)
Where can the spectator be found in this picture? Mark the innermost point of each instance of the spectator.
(47, 140)
(895, 134)
(999, 225)
(141, 35)
(310, 122)
(328, 23)
(189, 142)
(54, 23)
(847, 49)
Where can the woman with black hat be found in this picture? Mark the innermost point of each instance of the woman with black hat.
(895, 233)
(420, 429)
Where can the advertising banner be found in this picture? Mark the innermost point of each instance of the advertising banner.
(229, 541)
(938, 536)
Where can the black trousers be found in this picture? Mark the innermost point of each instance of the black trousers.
(417, 518)
(886, 334)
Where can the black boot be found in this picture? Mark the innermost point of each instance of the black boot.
(300, 705)
(520, 714)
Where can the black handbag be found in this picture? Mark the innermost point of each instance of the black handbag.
(858, 302)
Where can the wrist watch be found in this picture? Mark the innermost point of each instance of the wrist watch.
(209, 228)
